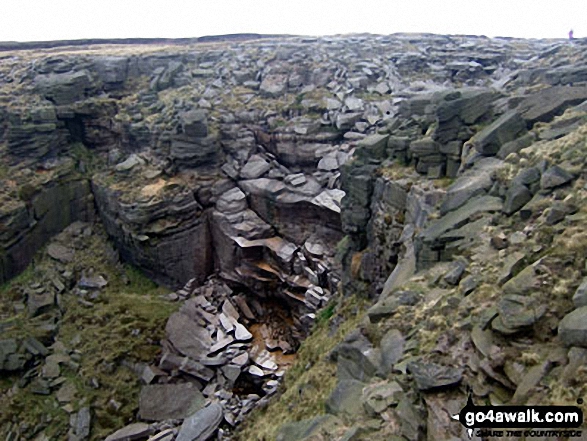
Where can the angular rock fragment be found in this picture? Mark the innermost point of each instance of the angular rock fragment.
(431, 376)
(572, 329)
(169, 401)
(131, 432)
(201, 425)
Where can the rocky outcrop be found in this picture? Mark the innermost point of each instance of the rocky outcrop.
(162, 228)
(436, 175)
(44, 208)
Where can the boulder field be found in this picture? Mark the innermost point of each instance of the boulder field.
(412, 203)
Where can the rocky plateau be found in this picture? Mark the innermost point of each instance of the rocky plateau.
(349, 235)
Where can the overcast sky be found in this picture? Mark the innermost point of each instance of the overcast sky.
(34, 20)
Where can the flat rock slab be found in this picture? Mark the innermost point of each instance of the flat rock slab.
(392, 349)
(554, 177)
(572, 329)
(130, 433)
(187, 336)
(457, 218)
(169, 401)
(346, 398)
(546, 104)
(580, 296)
(201, 425)
(60, 253)
(505, 129)
(432, 376)
(378, 397)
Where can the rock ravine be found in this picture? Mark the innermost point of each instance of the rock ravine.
(417, 199)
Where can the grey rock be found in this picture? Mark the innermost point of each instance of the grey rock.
(187, 336)
(530, 380)
(577, 360)
(255, 167)
(505, 129)
(233, 201)
(468, 285)
(580, 296)
(464, 188)
(483, 340)
(353, 104)
(469, 105)
(517, 312)
(345, 121)
(392, 349)
(547, 103)
(131, 432)
(346, 398)
(431, 375)
(372, 146)
(516, 197)
(516, 145)
(64, 88)
(241, 333)
(194, 123)
(80, 423)
(387, 306)
(38, 303)
(524, 283)
(410, 421)
(328, 163)
(527, 176)
(131, 162)
(357, 359)
(456, 218)
(201, 425)
(572, 329)
(169, 401)
(273, 84)
(231, 372)
(554, 177)
(8, 348)
(453, 276)
(512, 264)
(93, 282)
(556, 213)
(165, 435)
(379, 396)
(60, 253)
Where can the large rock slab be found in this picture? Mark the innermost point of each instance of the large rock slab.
(201, 425)
(432, 376)
(169, 401)
(187, 336)
(547, 103)
(572, 329)
(457, 218)
(346, 398)
(505, 129)
(131, 432)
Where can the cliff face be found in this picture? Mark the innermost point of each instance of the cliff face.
(422, 172)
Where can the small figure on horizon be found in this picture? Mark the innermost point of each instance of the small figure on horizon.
(571, 34)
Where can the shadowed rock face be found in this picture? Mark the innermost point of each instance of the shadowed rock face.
(258, 161)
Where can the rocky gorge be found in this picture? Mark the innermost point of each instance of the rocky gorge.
(349, 235)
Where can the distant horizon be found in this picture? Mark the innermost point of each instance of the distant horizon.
(203, 38)
(25, 21)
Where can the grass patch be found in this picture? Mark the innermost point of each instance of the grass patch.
(122, 328)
